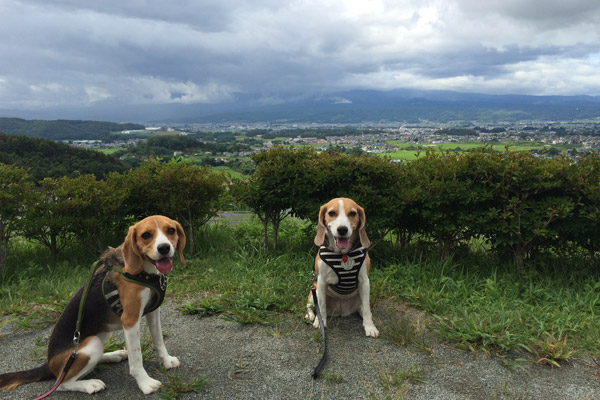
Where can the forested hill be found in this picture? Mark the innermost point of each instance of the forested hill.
(63, 129)
(46, 158)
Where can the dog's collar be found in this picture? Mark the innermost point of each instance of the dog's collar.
(156, 283)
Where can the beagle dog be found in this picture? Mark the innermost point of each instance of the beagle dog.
(129, 283)
(342, 264)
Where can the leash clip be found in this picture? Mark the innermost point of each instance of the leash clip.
(76, 337)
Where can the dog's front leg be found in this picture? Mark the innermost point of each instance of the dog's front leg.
(134, 349)
(321, 300)
(364, 289)
(157, 339)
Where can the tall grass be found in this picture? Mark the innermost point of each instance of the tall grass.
(550, 313)
(232, 276)
(554, 315)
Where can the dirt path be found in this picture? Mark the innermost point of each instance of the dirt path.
(256, 362)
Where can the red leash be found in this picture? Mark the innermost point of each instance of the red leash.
(61, 377)
(56, 385)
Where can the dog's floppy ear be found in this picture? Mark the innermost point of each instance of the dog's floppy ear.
(362, 233)
(134, 262)
(320, 238)
(180, 242)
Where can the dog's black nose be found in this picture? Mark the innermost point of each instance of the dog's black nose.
(164, 248)
(342, 230)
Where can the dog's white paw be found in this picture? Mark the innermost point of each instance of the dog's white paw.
(149, 385)
(310, 316)
(114, 356)
(317, 325)
(86, 386)
(371, 331)
(93, 385)
(170, 362)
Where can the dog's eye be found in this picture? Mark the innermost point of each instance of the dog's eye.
(352, 214)
(171, 231)
(146, 235)
(331, 213)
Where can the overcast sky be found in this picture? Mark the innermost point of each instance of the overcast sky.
(89, 52)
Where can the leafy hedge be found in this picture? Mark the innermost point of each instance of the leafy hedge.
(58, 211)
(515, 201)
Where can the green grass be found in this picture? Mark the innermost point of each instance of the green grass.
(111, 150)
(241, 282)
(233, 174)
(399, 378)
(549, 314)
(405, 154)
(174, 385)
(553, 315)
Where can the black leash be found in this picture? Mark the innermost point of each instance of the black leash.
(319, 366)
(76, 334)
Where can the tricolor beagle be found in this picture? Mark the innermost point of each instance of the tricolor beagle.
(342, 264)
(117, 298)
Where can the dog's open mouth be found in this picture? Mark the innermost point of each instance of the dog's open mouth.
(341, 242)
(163, 265)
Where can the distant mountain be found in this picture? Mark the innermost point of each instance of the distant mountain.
(63, 129)
(345, 107)
(414, 106)
(46, 158)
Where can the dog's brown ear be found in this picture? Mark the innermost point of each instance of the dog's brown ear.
(134, 262)
(320, 238)
(180, 242)
(362, 233)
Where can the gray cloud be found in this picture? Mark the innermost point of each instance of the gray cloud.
(68, 52)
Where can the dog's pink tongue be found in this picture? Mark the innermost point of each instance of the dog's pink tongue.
(342, 243)
(164, 265)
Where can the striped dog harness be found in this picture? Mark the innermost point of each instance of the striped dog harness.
(156, 283)
(345, 266)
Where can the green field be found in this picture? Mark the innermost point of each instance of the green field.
(409, 151)
(228, 171)
(110, 151)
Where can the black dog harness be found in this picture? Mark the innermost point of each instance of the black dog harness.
(156, 283)
(345, 266)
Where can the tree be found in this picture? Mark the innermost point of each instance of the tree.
(281, 180)
(82, 207)
(583, 187)
(449, 195)
(529, 199)
(16, 195)
(177, 189)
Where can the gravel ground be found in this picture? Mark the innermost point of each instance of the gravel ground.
(257, 362)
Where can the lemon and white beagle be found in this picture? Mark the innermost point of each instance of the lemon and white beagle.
(342, 264)
(129, 283)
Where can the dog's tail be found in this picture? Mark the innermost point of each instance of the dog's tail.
(14, 379)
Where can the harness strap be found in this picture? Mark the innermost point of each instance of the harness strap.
(346, 267)
(156, 283)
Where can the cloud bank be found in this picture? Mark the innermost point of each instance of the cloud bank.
(81, 54)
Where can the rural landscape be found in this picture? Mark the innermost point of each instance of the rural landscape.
(487, 232)
(460, 140)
